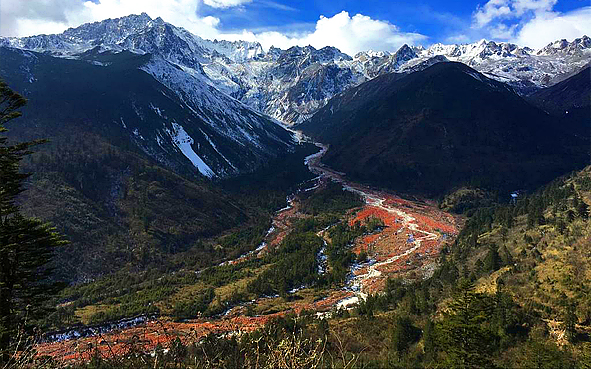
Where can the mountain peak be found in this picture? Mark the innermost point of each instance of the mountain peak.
(304, 70)
(563, 47)
(406, 50)
(403, 55)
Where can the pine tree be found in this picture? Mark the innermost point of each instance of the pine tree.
(429, 345)
(26, 245)
(462, 334)
(570, 320)
(582, 209)
(403, 334)
(492, 261)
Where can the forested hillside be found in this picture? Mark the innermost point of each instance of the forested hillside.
(511, 292)
(433, 131)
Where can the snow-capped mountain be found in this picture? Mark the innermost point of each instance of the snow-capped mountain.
(579, 47)
(291, 85)
(201, 127)
(521, 67)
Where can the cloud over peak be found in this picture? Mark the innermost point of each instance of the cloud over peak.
(350, 34)
(532, 23)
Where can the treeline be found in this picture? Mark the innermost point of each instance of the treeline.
(294, 265)
(85, 162)
(119, 210)
(476, 330)
(331, 199)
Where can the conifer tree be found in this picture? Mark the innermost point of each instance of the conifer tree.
(26, 245)
(582, 209)
(570, 320)
(429, 339)
(462, 334)
(492, 261)
(403, 334)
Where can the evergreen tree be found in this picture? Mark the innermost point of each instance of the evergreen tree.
(403, 334)
(429, 340)
(506, 257)
(492, 261)
(582, 209)
(462, 334)
(569, 320)
(26, 245)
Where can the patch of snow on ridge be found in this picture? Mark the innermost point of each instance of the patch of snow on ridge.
(183, 141)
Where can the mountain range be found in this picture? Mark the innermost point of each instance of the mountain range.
(445, 127)
(187, 177)
(291, 85)
(191, 129)
(143, 116)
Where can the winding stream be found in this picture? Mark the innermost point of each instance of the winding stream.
(356, 283)
(372, 198)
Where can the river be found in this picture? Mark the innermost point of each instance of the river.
(417, 232)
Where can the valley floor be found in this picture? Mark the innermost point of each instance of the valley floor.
(407, 246)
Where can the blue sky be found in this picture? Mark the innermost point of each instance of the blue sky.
(439, 20)
(349, 25)
(426, 17)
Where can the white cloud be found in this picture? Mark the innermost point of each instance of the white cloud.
(182, 13)
(549, 27)
(502, 31)
(491, 10)
(531, 23)
(225, 3)
(348, 34)
(19, 17)
(509, 9)
(523, 6)
(31, 17)
(357, 33)
(458, 39)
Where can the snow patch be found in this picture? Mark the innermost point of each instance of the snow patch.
(348, 303)
(156, 110)
(474, 75)
(183, 141)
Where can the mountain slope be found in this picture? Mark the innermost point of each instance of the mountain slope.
(526, 70)
(572, 93)
(431, 131)
(569, 101)
(123, 175)
(291, 85)
(191, 129)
